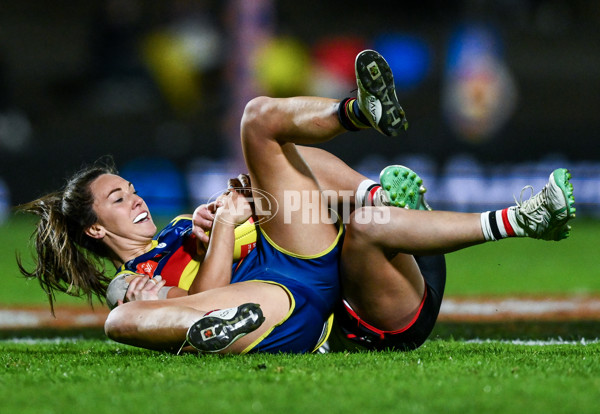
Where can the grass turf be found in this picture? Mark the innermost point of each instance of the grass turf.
(529, 267)
(448, 376)
(95, 376)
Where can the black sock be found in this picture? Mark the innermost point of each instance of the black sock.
(350, 115)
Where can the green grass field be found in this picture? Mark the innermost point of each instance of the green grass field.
(529, 267)
(444, 376)
(441, 377)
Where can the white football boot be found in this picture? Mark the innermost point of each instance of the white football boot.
(545, 215)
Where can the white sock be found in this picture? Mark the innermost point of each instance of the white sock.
(500, 224)
(367, 194)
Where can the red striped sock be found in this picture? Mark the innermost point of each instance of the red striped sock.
(500, 224)
(367, 194)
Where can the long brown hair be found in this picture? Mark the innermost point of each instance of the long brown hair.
(66, 259)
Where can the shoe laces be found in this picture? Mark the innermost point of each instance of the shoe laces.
(533, 205)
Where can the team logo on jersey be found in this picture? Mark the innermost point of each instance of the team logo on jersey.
(147, 268)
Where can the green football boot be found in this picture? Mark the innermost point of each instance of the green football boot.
(402, 187)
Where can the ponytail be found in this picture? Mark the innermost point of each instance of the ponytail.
(66, 259)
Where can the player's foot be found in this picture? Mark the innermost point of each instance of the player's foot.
(402, 187)
(219, 329)
(545, 215)
(376, 95)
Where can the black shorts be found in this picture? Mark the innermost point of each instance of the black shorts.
(350, 333)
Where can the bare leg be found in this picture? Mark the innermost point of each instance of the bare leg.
(163, 324)
(332, 173)
(270, 128)
(380, 278)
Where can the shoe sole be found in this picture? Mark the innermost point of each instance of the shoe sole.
(561, 178)
(403, 187)
(374, 75)
(214, 334)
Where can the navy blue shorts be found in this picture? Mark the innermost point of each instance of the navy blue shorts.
(312, 284)
(350, 333)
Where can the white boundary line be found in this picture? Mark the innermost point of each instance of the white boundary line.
(518, 342)
(511, 308)
(68, 317)
(453, 309)
(528, 342)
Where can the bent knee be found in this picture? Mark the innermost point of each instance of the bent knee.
(117, 324)
(256, 106)
(364, 222)
(256, 114)
(262, 121)
(371, 225)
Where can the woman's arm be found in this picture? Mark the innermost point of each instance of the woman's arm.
(232, 209)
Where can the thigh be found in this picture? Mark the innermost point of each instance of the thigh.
(288, 199)
(351, 333)
(332, 174)
(301, 222)
(386, 292)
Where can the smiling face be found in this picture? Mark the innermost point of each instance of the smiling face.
(121, 212)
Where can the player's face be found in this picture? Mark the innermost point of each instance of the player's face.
(120, 211)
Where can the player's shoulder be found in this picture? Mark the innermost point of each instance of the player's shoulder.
(182, 218)
(180, 223)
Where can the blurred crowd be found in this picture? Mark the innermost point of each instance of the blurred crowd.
(161, 85)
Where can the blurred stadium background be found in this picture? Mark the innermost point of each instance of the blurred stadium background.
(496, 92)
